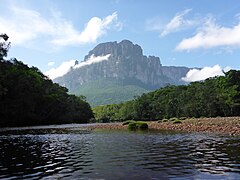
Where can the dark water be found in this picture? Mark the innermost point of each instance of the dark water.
(71, 153)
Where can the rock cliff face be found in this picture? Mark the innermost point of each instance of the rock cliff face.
(124, 63)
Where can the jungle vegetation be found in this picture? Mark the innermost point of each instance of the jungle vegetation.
(217, 96)
(28, 97)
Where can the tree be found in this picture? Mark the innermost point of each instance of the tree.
(217, 96)
(4, 46)
(28, 97)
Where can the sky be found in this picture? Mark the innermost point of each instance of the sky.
(52, 34)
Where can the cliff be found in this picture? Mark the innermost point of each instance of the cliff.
(122, 63)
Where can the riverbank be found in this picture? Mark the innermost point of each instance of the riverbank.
(219, 125)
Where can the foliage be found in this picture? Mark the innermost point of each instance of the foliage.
(218, 96)
(137, 125)
(177, 121)
(173, 119)
(132, 126)
(141, 125)
(4, 46)
(127, 122)
(108, 91)
(182, 118)
(27, 97)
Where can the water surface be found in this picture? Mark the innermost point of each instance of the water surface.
(67, 152)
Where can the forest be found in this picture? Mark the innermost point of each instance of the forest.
(28, 97)
(218, 96)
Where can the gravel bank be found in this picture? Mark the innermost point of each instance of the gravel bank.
(219, 125)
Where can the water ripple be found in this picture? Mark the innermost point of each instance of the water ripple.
(77, 154)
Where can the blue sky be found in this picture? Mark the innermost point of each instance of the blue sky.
(46, 33)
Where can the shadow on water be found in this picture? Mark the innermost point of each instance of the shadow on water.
(72, 153)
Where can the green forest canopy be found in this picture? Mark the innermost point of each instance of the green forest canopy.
(218, 96)
(28, 97)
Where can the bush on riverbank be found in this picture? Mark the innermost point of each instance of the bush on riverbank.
(173, 120)
(177, 121)
(128, 122)
(137, 125)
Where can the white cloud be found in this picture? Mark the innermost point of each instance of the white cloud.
(61, 70)
(177, 23)
(226, 69)
(92, 60)
(65, 67)
(25, 25)
(212, 35)
(94, 29)
(202, 74)
(51, 63)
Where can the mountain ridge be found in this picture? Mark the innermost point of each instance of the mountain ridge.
(124, 64)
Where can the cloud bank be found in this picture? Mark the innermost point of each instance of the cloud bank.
(65, 67)
(51, 63)
(204, 73)
(60, 70)
(92, 60)
(211, 35)
(208, 34)
(25, 25)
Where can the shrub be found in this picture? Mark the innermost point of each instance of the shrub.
(127, 122)
(132, 126)
(142, 125)
(183, 118)
(162, 120)
(165, 120)
(173, 119)
(177, 121)
(137, 125)
(92, 120)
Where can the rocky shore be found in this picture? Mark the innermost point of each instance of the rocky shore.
(219, 125)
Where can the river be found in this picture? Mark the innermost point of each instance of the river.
(70, 152)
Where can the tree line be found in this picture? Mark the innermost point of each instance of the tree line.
(28, 97)
(217, 96)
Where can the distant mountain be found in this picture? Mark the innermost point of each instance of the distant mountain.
(115, 72)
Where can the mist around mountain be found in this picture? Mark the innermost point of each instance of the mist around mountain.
(116, 72)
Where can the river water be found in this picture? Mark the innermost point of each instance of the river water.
(69, 152)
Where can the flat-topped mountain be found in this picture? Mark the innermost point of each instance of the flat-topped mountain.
(115, 72)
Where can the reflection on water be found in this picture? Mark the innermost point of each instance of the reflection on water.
(74, 154)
